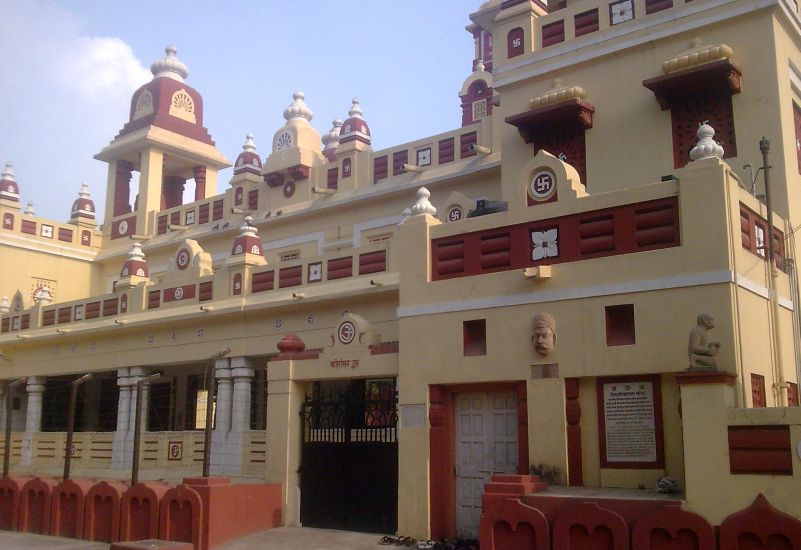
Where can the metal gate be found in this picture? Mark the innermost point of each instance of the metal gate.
(349, 462)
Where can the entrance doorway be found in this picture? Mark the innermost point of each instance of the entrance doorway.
(349, 457)
(486, 444)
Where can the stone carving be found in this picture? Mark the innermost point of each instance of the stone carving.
(702, 353)
(706, 146)
(544, 335)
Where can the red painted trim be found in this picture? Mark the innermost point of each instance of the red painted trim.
(705, 377)
(632, 228)
(442, 442)
(659, 428)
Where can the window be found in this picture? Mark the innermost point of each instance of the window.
(792, 394)
(758, 398)
(290, 256)
(620, 325)
(475, 337)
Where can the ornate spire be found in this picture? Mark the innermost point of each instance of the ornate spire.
(169, 66)
(136, 263)
(331, 139)
(298, 109)
(423, 205)
(248, 160)
(29, 210)
(248, 241)
(84, 206)
(9, 190)
(355, 128)
(706, 146)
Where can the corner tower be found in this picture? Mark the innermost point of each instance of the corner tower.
(164, 141)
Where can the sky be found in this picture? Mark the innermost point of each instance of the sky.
(68, 69)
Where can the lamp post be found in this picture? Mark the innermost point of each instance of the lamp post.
(71, 422)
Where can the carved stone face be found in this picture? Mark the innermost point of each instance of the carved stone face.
(543, 339)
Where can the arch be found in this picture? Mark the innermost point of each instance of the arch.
(760, 526)
(180, 516)
(671, 525)
(34, 505)
(139, 511)
(512, 524)
(591, 526)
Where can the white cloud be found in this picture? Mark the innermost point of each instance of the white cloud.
(94, 66)
(66, 93)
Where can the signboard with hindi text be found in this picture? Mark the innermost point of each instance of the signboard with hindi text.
(630, 422)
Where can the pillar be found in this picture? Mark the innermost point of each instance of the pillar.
(119, 458)
(222, 425)
(285, 397)
(33, 416)
(706, 399)
(172, 192)
(122, 187)
(200, 182)
(235, 446)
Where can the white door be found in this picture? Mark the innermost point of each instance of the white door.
(486, 443)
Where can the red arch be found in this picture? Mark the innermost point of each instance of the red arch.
(591, 525)
(685, 530)
(512, 524)
(763, 526)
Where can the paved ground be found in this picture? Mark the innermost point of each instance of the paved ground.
(24, 541)
(281, 538)
(306, 538)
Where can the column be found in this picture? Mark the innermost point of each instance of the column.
(118, 456)
(222, 425)
(200, 182)
(235, 446)
(284, 400)
(122, 187)
(33, 416)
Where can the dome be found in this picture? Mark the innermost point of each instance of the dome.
(248, 241)
(84, 206)
(248, 160)
(169, 66)
(9, 190)
(298, 108)
(355, 128)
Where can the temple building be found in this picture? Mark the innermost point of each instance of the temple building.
(581, 282)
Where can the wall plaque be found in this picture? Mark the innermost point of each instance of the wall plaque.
(630, 422)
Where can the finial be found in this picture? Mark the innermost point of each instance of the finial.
(29, 210)
(135, 252)
(84, 192)
(5, 305)
(249, 145)
(696, 41)
(248, 227)
(557, 83)
(331, 139)
(8, 173)
(423, 205)
(480, 66)
(169, 66)
(298, 108)
(706, 146)
(44, 296)
(355, 111)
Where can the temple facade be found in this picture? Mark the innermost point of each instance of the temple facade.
(582, 282)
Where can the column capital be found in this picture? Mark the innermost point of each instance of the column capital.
(242, 372)
(35, 384)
